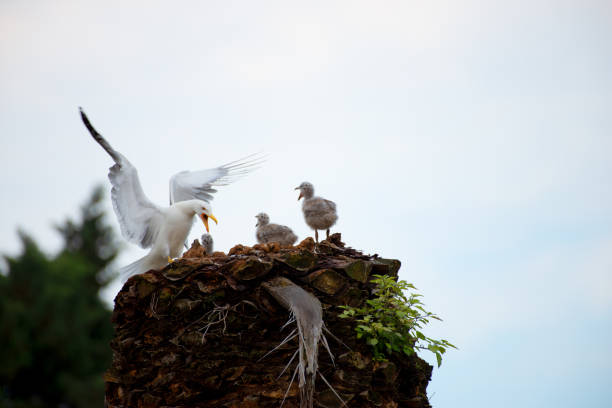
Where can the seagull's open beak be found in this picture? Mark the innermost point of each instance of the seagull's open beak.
(205, 217)
(301, 194)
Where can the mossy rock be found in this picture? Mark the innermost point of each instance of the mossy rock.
(328, 399)
(249, 268)
(387, 372)
(183, 305)
(373, 397)
(302, 261)
(327, 281)
(358, 270)
(385, 266)
(177, 270)
(352, 380)
(353, 297)
(167, 355)
(328, 248)
(354, 359)
(144, 288)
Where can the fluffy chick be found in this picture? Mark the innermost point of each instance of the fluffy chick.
(319, 213)
(207, 243)
(267, 232)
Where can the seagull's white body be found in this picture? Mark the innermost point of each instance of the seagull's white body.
(175, 223)
(178, 222)
(164, 230)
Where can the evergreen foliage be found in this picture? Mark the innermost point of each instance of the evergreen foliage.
(54, 328)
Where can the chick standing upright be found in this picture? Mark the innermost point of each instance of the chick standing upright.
(207, 243)
(267, 232)
(319, 213)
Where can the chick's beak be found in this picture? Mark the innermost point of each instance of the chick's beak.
(301, 195)
(205, 218)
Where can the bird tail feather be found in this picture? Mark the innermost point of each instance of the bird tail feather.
(140, 266)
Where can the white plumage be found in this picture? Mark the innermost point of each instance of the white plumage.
(164, 230)
(319, 213)
(267, 232)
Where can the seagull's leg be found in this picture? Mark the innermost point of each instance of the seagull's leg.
(170, 260)
(327, 233)
(316, 236)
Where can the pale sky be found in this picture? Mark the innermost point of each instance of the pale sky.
(471, 140)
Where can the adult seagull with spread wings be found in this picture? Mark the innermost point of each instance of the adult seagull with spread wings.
(164, 230)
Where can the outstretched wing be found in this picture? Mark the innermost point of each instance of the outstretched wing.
(189, 185)
(140, 220)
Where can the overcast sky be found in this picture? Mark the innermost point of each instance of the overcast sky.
(469, 139)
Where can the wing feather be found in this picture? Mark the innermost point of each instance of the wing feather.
(189, 185)
(140, 220)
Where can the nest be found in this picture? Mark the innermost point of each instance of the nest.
(198, 333)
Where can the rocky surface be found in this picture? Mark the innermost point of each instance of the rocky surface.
(196, 333)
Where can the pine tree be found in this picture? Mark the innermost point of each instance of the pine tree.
(54, 328)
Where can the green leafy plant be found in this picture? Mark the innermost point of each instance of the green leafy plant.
(392, 322)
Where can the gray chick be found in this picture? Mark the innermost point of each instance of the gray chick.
(207, 243)
(319, 213)
(267, 232)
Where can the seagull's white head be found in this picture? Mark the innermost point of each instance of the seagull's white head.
(306, 190)
(204, 212)
(262, 219)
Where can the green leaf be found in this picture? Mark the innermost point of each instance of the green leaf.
(392, 320)
(408, 350)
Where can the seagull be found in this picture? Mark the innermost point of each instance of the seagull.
(207, 243)
(267, 232)
(164, 230)
(319, 213)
